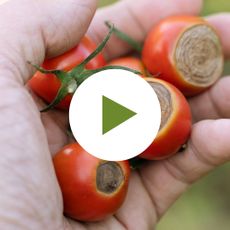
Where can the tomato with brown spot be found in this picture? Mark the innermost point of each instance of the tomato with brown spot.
(185, 51)
(92, 189)
(176, 122)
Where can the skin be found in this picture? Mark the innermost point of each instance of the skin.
(30, 196)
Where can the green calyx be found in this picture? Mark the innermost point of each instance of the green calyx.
(71, 80)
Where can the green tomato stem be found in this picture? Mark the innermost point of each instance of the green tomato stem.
(59, 73)
(137, 46)
(101, 46)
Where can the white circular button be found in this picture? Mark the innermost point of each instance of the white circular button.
(115, 115)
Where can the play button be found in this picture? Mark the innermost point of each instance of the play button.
(115, 115)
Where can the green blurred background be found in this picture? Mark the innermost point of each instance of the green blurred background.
(206, 205)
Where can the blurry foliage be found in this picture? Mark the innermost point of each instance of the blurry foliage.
(106, 2)
(213, 6)
(206, 205)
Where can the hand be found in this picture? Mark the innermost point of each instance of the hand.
(30, 196)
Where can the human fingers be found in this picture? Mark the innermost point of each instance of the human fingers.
(221, 23)
(37, 29)
(207, 148)
(213, 103)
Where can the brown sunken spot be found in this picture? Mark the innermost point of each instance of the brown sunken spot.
(198, 55)
(165, 101)
(109, 177)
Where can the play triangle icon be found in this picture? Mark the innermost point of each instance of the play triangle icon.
(113, 114)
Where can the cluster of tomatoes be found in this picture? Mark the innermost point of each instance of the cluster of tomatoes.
(180, 57)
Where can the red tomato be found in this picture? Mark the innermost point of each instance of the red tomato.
(92, 188)
(46, 86)
(130, 62)
(175, 121)
(186, 51)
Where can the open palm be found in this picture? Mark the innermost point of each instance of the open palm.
(30, 197)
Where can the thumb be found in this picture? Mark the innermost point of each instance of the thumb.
(40, 28)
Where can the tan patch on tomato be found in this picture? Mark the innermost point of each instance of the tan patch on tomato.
(198, 55)
(165, 100)
(109, 177)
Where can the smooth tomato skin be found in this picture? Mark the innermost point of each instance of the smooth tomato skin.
(176, 131)
(46, 86)
(130, 62)
(76, 173)
(157, 53)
